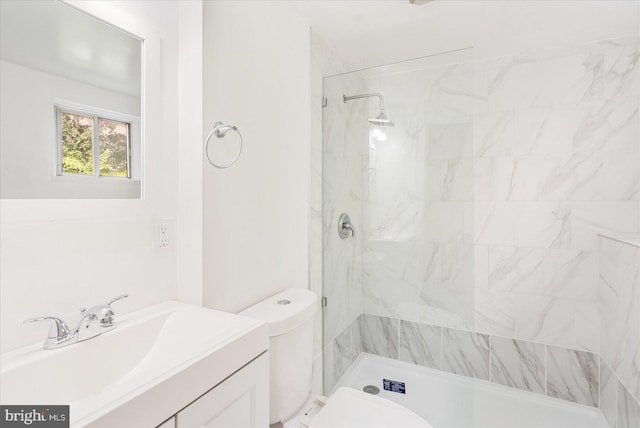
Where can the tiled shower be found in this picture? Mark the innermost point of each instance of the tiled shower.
(495, 221)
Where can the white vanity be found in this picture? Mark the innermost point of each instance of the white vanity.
(172, 364)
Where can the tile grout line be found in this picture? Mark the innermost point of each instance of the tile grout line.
(545, 370)
(441, 348)
(490, 357)
(617, 393)
(398, 343)
(599, 380)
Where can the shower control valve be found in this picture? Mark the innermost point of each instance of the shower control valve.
(345, 227)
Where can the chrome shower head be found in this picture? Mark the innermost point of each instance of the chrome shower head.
(381, 120)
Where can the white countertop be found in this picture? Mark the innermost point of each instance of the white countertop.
(156, 362)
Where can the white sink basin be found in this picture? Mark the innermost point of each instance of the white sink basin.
(152, 365)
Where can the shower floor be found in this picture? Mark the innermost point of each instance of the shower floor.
(446, 400)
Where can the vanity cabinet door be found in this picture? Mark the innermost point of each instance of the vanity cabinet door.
(240, 401)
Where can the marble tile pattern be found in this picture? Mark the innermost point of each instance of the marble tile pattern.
(379, 335)
(619, 299)
(341, 192)
(573, 375)
(608, 393)
(545, 319)
(341, 353)
(417, 185)
(556, 159)
(465, 353)
(481, 212)
(420, 344)
(557, 372)
(495, 312)
(518, 364)
(619, 407)
(628, 409)
(540, 158)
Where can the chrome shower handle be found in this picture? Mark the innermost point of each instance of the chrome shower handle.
(348, 228)
(345, 227)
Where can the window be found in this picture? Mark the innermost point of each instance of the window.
(89, 144)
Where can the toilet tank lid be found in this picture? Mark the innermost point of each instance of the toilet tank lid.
(284, 311)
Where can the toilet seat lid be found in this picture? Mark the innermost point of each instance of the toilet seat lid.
(350, 408)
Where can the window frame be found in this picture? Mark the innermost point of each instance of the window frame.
(96, 115)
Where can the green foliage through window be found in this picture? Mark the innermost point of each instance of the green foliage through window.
(113, 148)
(77, 145)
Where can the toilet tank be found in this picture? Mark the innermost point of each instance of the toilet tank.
(289, 316)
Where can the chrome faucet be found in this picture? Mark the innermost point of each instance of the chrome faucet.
(93, 322)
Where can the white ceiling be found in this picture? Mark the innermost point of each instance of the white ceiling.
(368, 33)
(58, 39)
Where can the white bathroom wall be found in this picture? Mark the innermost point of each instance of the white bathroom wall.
(60, 255)
(189, 222)
(28, 136)
(256, 213)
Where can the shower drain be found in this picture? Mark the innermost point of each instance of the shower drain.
(371, 389)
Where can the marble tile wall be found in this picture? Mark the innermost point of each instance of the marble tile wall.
(619, 407)
(619, 295)
(345, 348)
(417, 187)
(562, 373)
(482, 207)
(481, 214)
(573, 375)
(556, 162)
(518, 364)
(342, 148)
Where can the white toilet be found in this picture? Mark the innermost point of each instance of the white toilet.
(289, 315)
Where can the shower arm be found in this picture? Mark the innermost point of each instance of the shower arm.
(372, 94)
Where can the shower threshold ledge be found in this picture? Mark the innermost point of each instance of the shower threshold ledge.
(447, 400)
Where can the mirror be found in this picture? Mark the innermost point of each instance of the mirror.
(70, 105)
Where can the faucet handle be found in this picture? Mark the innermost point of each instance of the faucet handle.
(57, 328)
(115, 298)
(106, 320)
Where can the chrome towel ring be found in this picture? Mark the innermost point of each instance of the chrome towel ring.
(219, 130)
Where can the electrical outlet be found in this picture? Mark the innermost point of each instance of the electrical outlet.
(163, 236)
